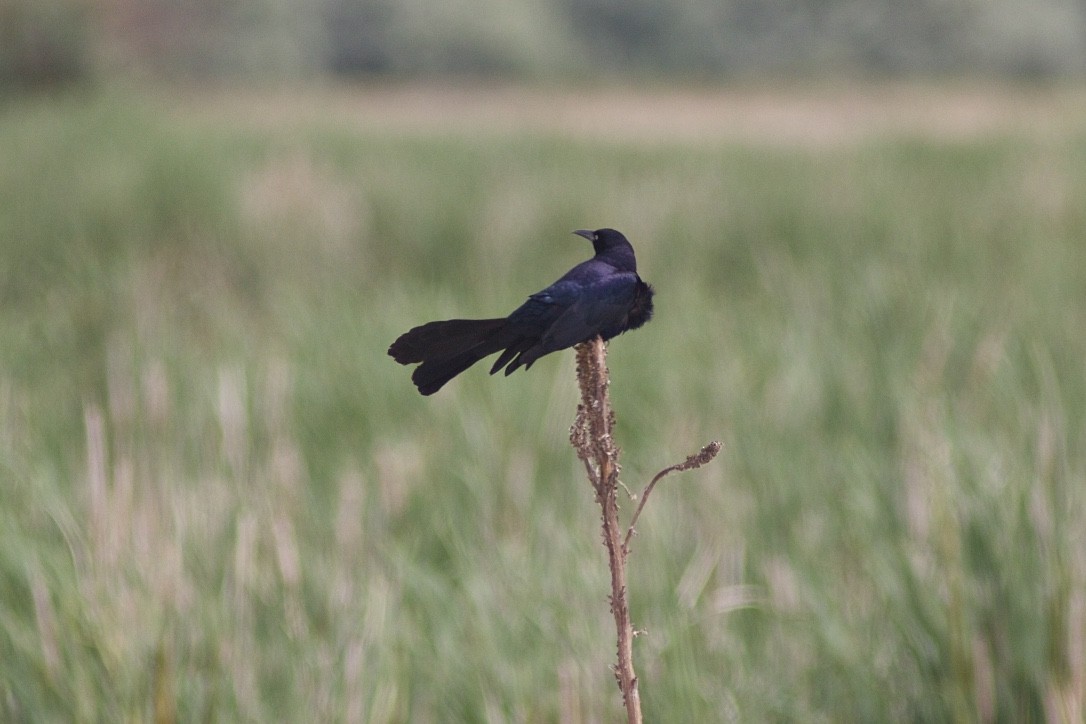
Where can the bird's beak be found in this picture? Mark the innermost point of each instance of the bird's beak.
(590, 235)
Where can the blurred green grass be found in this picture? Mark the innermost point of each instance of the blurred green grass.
(221, 500)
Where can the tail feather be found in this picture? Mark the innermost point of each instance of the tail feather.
(514, 349)
(442, 339)
(447, 348)
(529, 352)
(431, 376)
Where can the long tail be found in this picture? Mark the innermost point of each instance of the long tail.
(447, 348)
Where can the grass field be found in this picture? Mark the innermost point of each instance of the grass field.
(221, 501)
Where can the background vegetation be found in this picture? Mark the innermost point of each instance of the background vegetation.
(219, 499)
(49, 41)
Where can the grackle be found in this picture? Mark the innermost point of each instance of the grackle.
(603, 296)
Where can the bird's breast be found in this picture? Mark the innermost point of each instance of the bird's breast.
(641, 309)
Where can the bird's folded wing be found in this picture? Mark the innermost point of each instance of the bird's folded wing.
(598, 307)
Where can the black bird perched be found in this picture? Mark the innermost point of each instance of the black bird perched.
(602, 296)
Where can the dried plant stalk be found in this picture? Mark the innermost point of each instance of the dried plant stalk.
(592, 437)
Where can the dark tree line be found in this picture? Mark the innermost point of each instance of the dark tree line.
(52, 41)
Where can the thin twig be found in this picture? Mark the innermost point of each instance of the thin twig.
(696, 460)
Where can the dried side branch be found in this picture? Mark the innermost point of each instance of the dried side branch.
(696, 460)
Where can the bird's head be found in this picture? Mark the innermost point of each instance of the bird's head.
(604, 239)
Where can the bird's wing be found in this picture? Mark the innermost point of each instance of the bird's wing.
(541, 309)
(595, 308)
